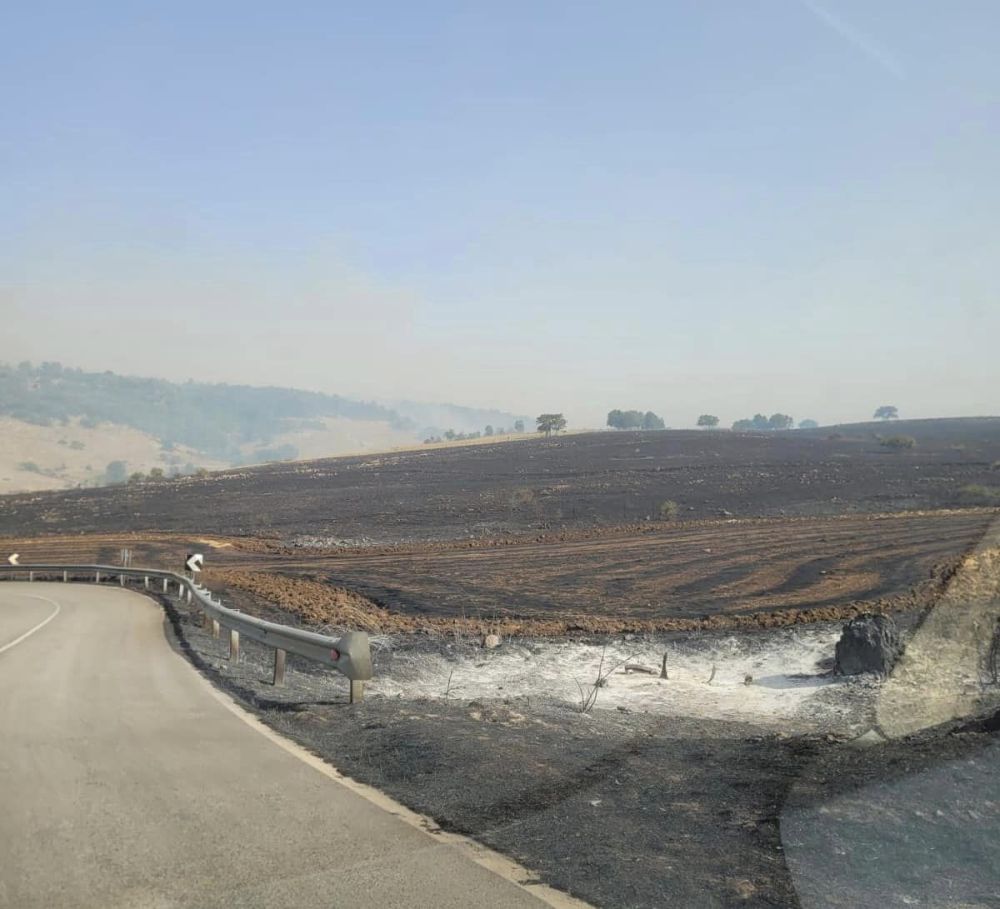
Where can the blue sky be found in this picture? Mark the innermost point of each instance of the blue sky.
(684, 206)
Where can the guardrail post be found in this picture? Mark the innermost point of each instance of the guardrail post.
(121, 579)
(188, 592)
(357, 690)
(215, 628)
(234, 644)
(31, 576)
(166, 581)
(279, 667)
(145, 582)
(65, 577)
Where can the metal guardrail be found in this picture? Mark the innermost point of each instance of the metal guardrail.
(350, 654)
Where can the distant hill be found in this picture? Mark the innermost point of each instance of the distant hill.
(219, 421)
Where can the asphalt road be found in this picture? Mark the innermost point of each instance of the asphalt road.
(125, 780)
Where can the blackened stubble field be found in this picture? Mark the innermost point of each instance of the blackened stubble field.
(538, 484)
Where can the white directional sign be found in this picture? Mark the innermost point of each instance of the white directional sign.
(13, 558)
(194, 561)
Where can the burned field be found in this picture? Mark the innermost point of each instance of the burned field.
(707, 574)
(569, 534)
(730, 782)
(583, 481)
(710, 574)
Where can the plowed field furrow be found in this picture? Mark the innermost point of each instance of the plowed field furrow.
(646, 577)
(684, 570)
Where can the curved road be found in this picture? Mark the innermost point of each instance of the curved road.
(125, 780)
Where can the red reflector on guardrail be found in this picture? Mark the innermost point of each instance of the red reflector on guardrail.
(334, 655)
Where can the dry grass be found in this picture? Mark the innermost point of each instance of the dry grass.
(63, 454)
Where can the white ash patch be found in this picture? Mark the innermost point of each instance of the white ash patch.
(778, 678)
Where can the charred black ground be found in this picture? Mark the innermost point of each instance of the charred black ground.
(571, 481)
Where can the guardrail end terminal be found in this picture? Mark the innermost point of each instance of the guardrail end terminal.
(357, 690)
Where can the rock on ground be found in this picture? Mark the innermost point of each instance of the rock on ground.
(870, 643)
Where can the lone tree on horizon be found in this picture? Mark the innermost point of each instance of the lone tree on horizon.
(708, 420)
(886, 412)
(550, 423)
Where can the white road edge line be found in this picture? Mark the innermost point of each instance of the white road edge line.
(38, 627)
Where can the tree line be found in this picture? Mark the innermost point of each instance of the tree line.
(634, 419)
(450, 435)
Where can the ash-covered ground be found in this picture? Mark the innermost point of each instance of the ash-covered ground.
(683, 792)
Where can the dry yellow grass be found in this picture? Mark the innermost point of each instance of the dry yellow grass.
(63, 464)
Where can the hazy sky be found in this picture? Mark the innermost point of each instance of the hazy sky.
(682, 205)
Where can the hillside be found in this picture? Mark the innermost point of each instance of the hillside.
(61, 428)
(72, 454)
(586, 480)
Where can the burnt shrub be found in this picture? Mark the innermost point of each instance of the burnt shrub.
(898, 443)
(978, 494)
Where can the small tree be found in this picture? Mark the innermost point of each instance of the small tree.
(808, 424)
(709, 421)
(550, 423)
(116, 472)
(886, 412)
(136, 478)
(743, 425)
(651, 421)
(519, 426)
(449, 434)
(156, 474)
(488, 431)
(780, 421)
